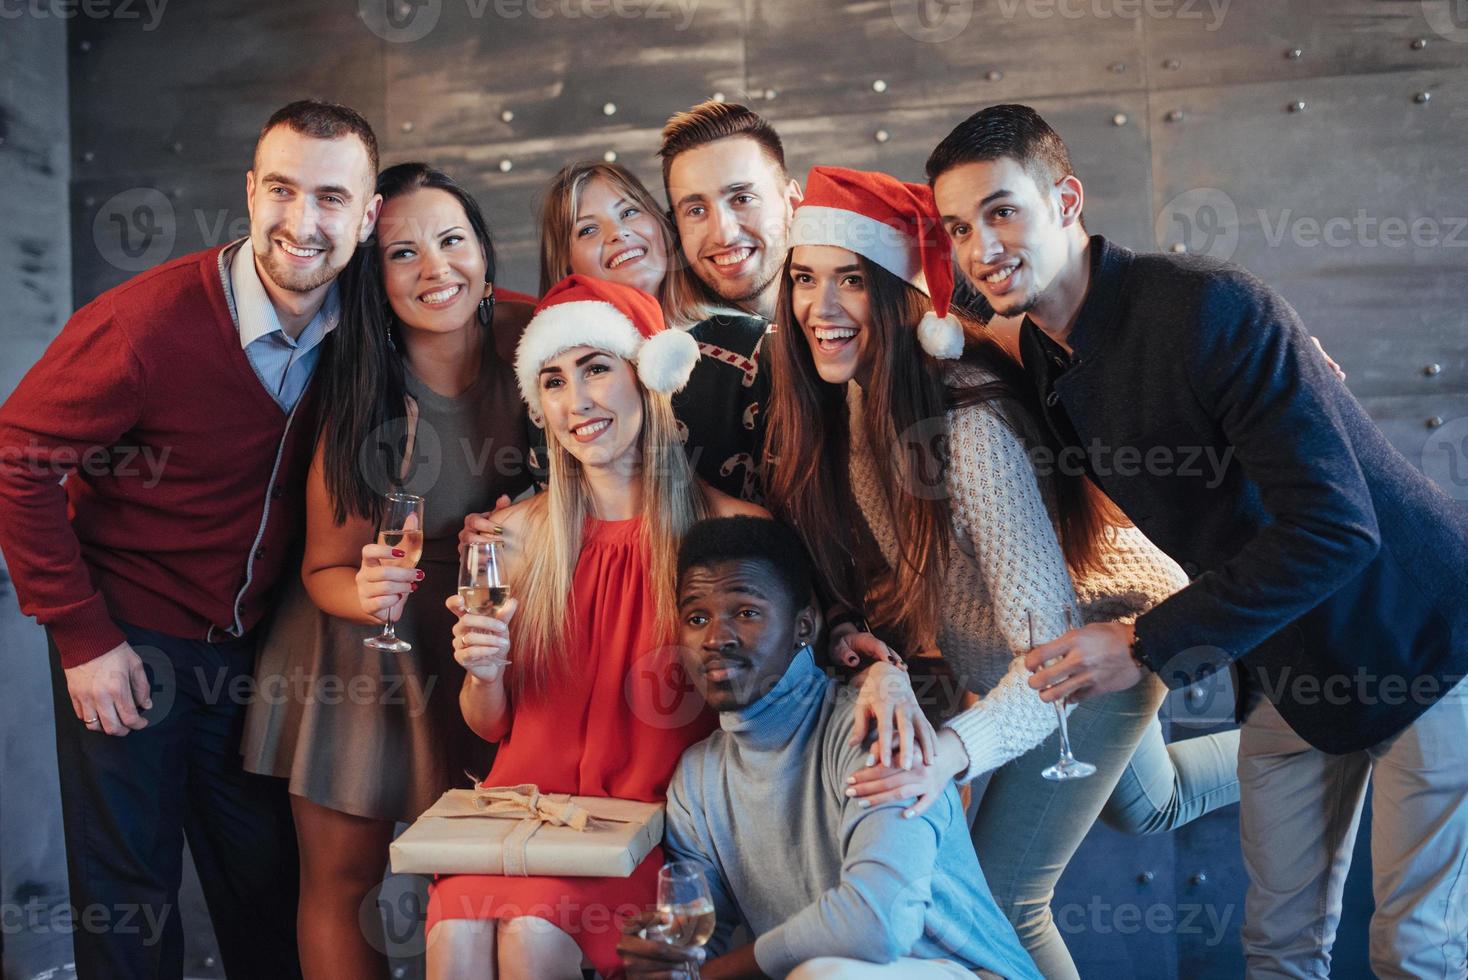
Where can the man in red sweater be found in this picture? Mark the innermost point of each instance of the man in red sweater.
(152, 466)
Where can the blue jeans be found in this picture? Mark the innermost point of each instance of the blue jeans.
(1027, 827)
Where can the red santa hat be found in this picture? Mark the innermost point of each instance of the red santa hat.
(893, 224)
(580, 311)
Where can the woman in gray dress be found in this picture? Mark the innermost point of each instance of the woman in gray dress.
(420, 396)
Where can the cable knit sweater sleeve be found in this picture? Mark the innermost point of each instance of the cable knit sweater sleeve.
(998, 507)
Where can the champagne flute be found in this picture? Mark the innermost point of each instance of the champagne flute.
(482, 583)
(685, 900)
(401, 528)
(1068, 766)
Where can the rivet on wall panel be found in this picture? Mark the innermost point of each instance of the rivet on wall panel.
(993, 75)
(177, 149)
(610, 156)
(1145, 878)
(1433, 370)
(408, 126)
(1436, 422)
(1117, 67)
(770, 93)
(879, 86)
(1119, 119)
(405, 11)
(507, 116)
(881, 136)
(88, 157)
(1422, 98)
(1297, 107)
(89, 201)
(85, 46)
(610, 109)
(1419, 44)
(1172, 64)
(1179, 247)
(1199, 878)
(718, 96)
(1295, 54)
(1174, 116)
(506, 166)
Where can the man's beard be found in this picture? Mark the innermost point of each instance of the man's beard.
(298, 282)
(1018, 307)
(733, 292)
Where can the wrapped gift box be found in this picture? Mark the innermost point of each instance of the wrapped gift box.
(517, 830)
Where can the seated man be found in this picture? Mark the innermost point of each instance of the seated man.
(828, 886)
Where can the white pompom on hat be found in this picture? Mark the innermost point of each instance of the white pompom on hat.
(581, 311)
(894, 224)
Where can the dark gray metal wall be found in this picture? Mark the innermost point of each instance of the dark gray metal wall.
(1321, 143)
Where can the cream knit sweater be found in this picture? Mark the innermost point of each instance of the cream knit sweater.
(1006, 558)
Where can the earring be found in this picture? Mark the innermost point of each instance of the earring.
(486, 310)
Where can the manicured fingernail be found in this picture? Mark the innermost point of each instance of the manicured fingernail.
(850, 792)
(147, 705)
(419, 575)
(850, 780)
(871, 760)
(906, 814)
(497, 529)
(907, 764)
(414, 588)
(399, 553)
(863, 804)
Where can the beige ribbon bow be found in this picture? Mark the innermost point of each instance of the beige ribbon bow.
(534, 810)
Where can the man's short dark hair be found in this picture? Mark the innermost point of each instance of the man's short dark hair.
(721, 539)
(710, 121)
(1014, 131)
(324, 121)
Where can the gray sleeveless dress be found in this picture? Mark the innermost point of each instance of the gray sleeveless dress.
(375, 734)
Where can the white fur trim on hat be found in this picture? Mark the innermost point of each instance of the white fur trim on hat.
(891, 248)
(942, 337)
(666, 360)
(556, 329)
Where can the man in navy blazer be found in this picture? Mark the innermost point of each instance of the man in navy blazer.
(1328, 571)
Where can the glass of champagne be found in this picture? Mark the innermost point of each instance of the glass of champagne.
(1068, 766)
(401, 528)
(482, 583)
(685, 901)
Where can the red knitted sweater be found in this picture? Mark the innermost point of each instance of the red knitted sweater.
(183, 490)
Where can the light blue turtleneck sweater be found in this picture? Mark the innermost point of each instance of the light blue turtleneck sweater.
(761, 804)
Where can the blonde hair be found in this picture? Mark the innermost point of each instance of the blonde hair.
(681, 297)
(672, 502)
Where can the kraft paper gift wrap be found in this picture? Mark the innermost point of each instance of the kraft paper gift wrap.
(518, 831)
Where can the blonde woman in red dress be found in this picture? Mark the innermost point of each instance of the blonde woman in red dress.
(576, 678)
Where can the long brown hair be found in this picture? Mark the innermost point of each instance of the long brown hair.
(680, 297)
(806, 454)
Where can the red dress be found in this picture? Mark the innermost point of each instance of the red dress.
(613, 723)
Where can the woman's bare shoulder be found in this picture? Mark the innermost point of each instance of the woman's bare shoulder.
(723, 505)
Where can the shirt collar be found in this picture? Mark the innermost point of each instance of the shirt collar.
(256, 314)
(1109, 264)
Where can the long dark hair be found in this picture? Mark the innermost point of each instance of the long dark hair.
(907, 399)
(363, 391)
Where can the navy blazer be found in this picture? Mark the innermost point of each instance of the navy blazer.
(1317, 552)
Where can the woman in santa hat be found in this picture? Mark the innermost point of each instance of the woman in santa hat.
(571, 676)
(899, 444)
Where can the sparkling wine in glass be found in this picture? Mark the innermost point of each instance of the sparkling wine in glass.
(1068, 766)
(482, 583)
(401, 528)
(685, 901)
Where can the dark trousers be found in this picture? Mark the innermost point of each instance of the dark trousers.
(128, 803)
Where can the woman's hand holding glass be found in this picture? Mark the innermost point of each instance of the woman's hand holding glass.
(383, 583)
(482, 643)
